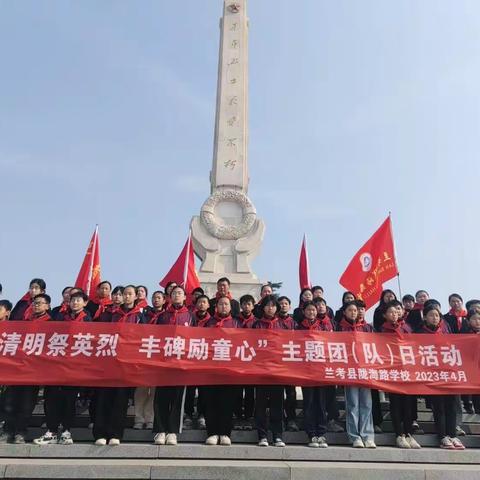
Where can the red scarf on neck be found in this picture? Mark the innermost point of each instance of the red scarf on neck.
(459, 316)
(346, 325)
(42, 318)
(312, 326)
(64, 307)
(175, 311)
(134, 311)
(437, 331)
(29, 311)
(271, 323)
(70, 317)
(417, 306)
(102, 303)
(228, 295)
(220, 321)
(388, 327)
(142, 303)
(247, 322)
(153, 315)
(201, 322)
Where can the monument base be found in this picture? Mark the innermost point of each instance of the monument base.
(241, 284)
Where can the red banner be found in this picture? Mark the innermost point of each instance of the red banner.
(105, 354)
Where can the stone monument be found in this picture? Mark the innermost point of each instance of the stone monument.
(227, 234)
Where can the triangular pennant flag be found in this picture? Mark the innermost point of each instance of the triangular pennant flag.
(89, 275)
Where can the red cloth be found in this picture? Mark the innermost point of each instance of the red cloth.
(42, 318)
(362, 326)
(459, 316)
(70, 317)
(102, 303)
(247, 322)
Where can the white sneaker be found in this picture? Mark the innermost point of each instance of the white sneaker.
(171, 439)
(101, 442)
(65, 438)
(322, 442)
(159, 438)
(370, 444)
(212, 440)
(114, 442)
(358, 443)
(138, 425)
(412, 442)
(279, 442)
(47, 438)
(263, 442)
(225, 440)
(313, 442)
(402, 442)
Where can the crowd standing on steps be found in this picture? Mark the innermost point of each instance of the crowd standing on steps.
(221, 408)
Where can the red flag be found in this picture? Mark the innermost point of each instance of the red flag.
(183, 270)
(303, 269)
(372, 265)
(89, 274)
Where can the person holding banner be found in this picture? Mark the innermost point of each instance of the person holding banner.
(358, 400)
(444, 406)
(270, 396)
(220, 399)
(169, 401)
(314, 398)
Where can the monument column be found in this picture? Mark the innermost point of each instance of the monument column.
(228, 234)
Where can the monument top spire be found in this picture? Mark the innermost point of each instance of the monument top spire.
(227, 234)
(230, 167)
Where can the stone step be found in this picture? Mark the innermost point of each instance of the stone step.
(250, 437)
(236, 462)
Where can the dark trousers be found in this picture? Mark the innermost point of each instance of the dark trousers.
(376, 408)
(331, 403)
(269, 396)
(60, 407)
(110, 412)
(290, 404)
(401, 413)
(19, 404)
(189, 406)
(245, 401)
(444, 414)
(168, 409)
(314, 401)
(219, 403)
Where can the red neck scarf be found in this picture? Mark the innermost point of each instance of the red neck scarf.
(42, 318)
(102, 303)
(202, 321)
(228, 295)
(247, 321)
(312, 326)
(64, 307)
(142, 303)
(29, 311)
(70, 317)
(153, 315)
(175, 311)
(270, 323)
(388, 327)
(459, 316)
(125, 314)
(221, 320)
(346, 325)
(437, 331)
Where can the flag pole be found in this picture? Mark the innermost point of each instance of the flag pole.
(90, 273)
(395, 254)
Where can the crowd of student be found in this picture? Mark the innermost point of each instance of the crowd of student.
(165, 410)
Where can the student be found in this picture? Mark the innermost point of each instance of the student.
(346, 298)
(23, 308)
(318, 292)
(414, 318)
(408, 302)
(400, 405)
(245, 399)
(196, 292)
(472, 326)
(457, 315)
(112, 402)
(142, 295)
(200, 316)
(114, 307)
(20, 400)
(61, 309)
(314, 398)
(444, 406)
(168, 402)
(358, 400)
(385, 297)
(168, 290)
(306, 295)
(220, 399)
(60, 400)
(270, 396)
(223, 290)
(264, 291)
(102, 300)
(5, 310)
(290, 403)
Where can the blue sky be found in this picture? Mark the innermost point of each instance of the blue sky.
(356, 109)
